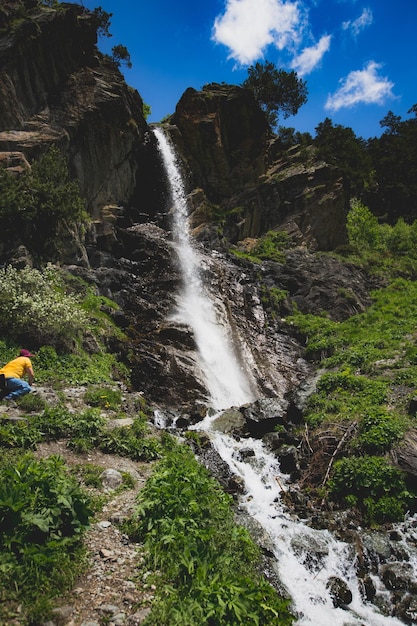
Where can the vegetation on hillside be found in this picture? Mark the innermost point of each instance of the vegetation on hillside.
(361, 405)
(204, 565)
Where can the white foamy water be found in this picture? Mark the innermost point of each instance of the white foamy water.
(305, 558)
(226, 379)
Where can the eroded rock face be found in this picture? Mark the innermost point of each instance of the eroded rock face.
(223, 136)
(55, 88)
(257, 184)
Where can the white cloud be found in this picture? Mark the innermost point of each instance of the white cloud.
(364, 20)
(311, 57)
(247, 27)
(361, 86)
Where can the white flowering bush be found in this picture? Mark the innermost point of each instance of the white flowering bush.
(35, 306)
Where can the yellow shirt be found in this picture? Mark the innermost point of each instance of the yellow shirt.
(16, 368)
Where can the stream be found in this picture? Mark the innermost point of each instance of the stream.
(305, 558)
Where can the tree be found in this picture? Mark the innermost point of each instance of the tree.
(120, 55)
(102, 20)
(338, 145)
(276, 90)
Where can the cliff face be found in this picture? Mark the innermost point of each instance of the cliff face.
(256, 183)
(56, 89)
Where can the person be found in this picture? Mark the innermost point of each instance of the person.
(14, 371)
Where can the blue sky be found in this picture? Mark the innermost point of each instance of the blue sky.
(359, 58)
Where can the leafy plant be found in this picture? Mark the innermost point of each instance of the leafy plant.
(371, 483)
(39, 206)
(209, 563)
(378, 431)
(43, 514)
(103, 397)
(34, 304)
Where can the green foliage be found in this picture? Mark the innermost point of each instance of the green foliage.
(273, 298)
(130, 441)
(120, 54)
(339, 146)
(272, 246)
(103, 397)
(367, 355)
(378, 431)
(34, 304)
(209, 563)
(146, 110)
(276, 90)
(102, 21)
(394, 161)
(362, 227)
(39, 206)
(75, 369)
(83, 431)
(32, 403)
(43, 514)
(342, 396)
(375, 486)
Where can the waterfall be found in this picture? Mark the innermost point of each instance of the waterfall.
(227, 381)
(306, 558)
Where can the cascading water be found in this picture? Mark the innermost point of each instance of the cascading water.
(306, 559)
(227, 381)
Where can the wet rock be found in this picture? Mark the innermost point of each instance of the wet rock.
(376, 547)
(406, 610)
(236, 484)
(368, 589)
(246, 453)
(263, 415)
(312, 548)
(289, 460)
(397, 576)
(339, 591)
(230, 422)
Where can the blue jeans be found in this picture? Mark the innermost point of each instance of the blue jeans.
(16, 388)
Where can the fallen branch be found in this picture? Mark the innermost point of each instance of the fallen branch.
(338, 447)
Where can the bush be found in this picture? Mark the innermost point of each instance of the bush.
(39, 206)
(103, 397)
(33, 304)
(362, 226)
(378, 431)
(43, 514)
(370, 482)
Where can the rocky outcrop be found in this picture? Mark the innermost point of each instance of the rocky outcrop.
(255, 183)
(223, 136)
(55, 88)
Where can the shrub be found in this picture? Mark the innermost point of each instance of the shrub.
(378, 431)
(39, 206)
(33, 304)
(362, 226)
(272, 246)
(103, 397)
(43, 514)
(366, 481)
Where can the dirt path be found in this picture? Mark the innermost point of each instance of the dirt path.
(109, 591)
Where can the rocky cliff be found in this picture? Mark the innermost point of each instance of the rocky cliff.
(55, 88)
